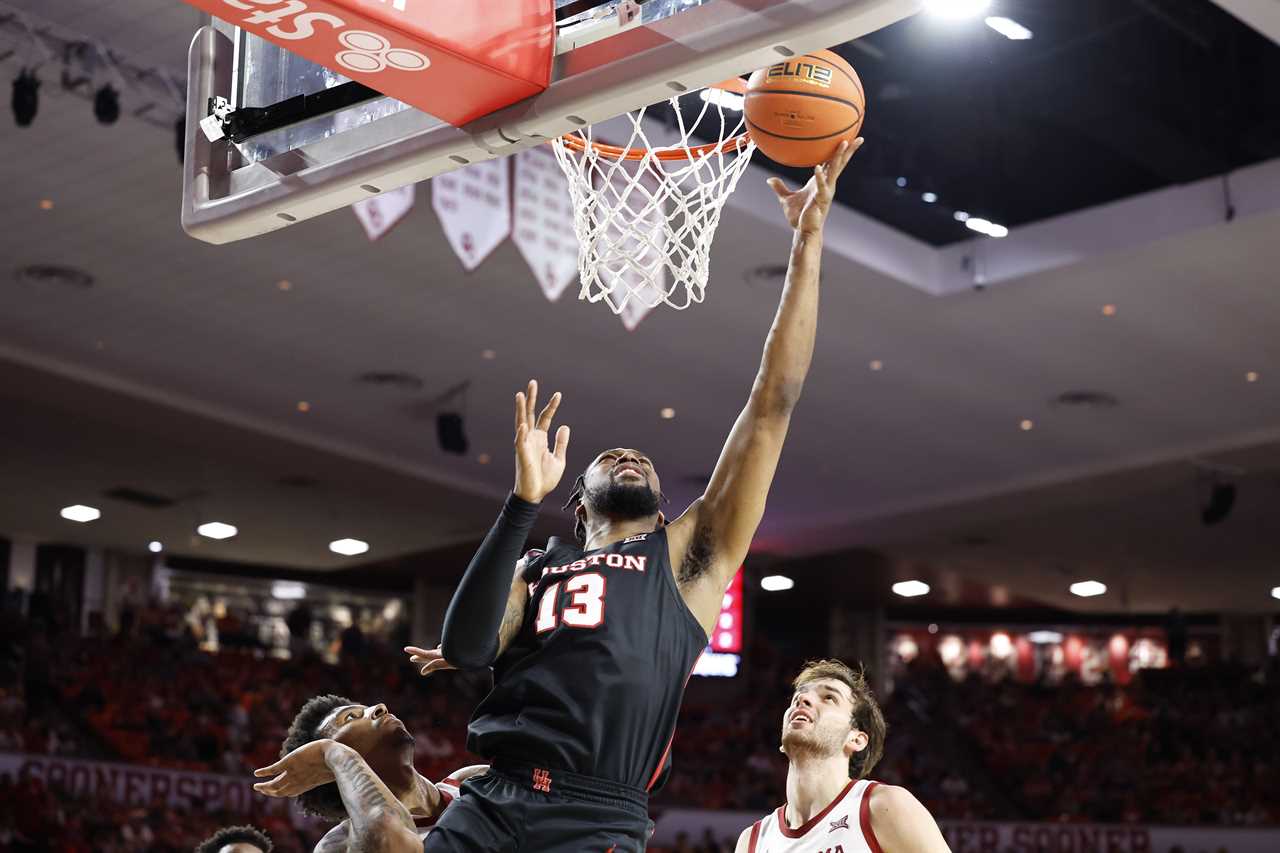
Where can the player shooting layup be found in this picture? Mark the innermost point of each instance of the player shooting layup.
(592, 642)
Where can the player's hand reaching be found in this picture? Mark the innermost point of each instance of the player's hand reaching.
(305, 768)
(806, 208)
(428, 660)
(539, 466)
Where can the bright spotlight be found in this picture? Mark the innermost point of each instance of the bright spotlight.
(776, 583)
(155, 547)
(1009, 28)
(1088, 589)
(80, 513)
(348, 547)
(217, 530)
(956, 9)
(910, 589)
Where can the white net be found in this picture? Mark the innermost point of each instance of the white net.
(645, 213)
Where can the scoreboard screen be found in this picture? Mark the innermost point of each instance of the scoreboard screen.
(723, 654)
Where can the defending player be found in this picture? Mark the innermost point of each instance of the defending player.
(833, 734)
(592, 642)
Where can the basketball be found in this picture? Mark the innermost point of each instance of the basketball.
(799, 111)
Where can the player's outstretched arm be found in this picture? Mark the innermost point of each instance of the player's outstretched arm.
(710, 541)
(377, 822)
(902, 824)
(481, 609)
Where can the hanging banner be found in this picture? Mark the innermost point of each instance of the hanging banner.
(474, 208)
(383, 212)
(543, 227)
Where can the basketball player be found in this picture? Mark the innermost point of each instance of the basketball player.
(592, 642)
(833, 735)
(236, 839)
(354, 763)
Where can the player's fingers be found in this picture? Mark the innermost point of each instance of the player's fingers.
(531, 403)
(779, 187)
(562, 441)
(414, 650)
(519, 409)
(549, 412)
(269, 770)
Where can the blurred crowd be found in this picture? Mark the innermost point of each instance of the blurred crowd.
(1183, 746)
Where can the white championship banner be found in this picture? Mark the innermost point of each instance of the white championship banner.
(474, 206)
(380, 213)
(543, 229)
(132, 784)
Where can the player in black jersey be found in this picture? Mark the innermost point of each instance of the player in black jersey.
(592, 642)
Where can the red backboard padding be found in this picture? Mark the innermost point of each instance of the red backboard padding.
(457, 60)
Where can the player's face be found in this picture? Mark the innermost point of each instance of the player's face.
(819, 719)
(370, 730)
(623, 483)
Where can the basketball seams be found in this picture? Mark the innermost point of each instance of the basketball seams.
(842, 130)
(763, 92)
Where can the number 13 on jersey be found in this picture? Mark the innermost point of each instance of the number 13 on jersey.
(585, 608)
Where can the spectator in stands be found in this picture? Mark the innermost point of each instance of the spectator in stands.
(236, 839)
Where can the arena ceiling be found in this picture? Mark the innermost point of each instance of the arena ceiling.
(179, 373)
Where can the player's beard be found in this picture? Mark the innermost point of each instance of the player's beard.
(623, 500)
(813, 742)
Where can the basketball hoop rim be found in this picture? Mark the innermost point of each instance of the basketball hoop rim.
(692, 152)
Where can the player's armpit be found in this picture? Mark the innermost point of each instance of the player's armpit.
(902, 824)
(334, 841)
(513, 616)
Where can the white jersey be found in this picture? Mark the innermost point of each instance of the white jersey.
(842, 827)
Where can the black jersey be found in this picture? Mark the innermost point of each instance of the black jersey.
(593, 681)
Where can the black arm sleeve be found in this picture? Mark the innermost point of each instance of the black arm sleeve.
(474, 617)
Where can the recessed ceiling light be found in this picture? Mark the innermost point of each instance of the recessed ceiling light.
(960, 216)
(776, 583)
(910, 589)
(284, 284)
(928, 198)
(1275, 592)
(985, 226)
(484, 459)
(1027, 425)
(1251, 376)
(1044, 637)
(933, 627)
(667, 413)
(488, 355)
(956, 9)
(876, 364)
(80, 513)
(216, 530)
(1109, 310)
(155, 547)
(348, 547)
(46, 204)
(901, 182)
(1088, 589)
(1008, 28)
(304, 406)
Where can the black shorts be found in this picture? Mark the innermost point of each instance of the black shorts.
(516, 808)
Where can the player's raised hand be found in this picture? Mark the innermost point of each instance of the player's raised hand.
(427, 660)
(806, 209)
(305, 768)
(539, 465)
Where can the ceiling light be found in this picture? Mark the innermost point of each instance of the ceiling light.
(483, 459)
(289, 590)
(933, 627)
(961, 216)
(1251, 376)
(985, 226)
(26, 98)
(348, 547)
(901, 182)
(304, 406)
(876, 364)
(1275, 592)
(106, 105)
(155, 547)
(723, 98)
(1088, 589)
(776, 583)
(1009, 28)
(46, 204)
(956, 9)
(667, 413)
(1109, 310)
(488, 355)
(81, 513)
(1044, 637)
(910, 589)
(1027, 425)
(284, 284)
(928, 198)
(216, 530)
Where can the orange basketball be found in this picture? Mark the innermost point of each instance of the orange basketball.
(800, 110)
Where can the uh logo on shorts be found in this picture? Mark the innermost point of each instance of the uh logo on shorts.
(542, 780)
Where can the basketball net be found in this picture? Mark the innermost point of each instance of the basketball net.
(645, 214)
